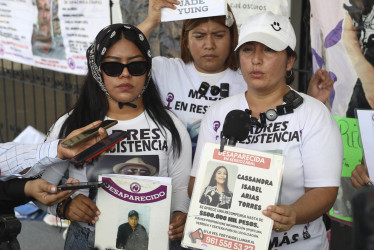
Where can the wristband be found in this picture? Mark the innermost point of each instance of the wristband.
(66, 206)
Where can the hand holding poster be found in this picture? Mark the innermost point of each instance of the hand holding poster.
(188, 9)
(231, 190)
(137, 208)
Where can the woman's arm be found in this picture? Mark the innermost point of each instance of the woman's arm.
(179, 169)
(154, 14)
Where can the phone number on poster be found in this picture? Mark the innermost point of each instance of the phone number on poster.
(229, 244)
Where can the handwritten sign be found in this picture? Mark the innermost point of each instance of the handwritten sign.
(189, 9)
(352, 144)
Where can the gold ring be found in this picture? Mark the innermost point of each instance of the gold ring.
(277, 229)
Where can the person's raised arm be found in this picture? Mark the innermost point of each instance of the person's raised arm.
(154, 14)
(320, 85)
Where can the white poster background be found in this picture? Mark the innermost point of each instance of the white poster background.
(366, 123)
(188, 9)
(74, 25)
(16, 29)
(242, 226)
(242, 9)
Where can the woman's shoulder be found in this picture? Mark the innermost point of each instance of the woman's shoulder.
(161, 61)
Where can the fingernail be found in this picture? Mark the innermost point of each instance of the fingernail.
(53, 189)
(98, 212)
(93, 222)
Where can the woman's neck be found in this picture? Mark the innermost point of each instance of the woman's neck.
(126, 112)
(262, 101)
(220, 188)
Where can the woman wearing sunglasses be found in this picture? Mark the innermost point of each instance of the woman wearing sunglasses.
(119, 86)
(207, 70)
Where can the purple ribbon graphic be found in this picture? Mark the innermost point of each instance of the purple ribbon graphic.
(155, 195)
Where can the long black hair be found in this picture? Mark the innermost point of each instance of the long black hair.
(213, 181)
(92, 103)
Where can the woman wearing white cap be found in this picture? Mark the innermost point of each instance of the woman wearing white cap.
(314, 152)
(206, 70)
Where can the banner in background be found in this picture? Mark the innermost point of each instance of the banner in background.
(244, 8)
(164, 39)
(51, 34)
(342, 42)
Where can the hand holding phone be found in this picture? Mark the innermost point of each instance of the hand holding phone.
(87, 134)
(98, 148)
(80, 185)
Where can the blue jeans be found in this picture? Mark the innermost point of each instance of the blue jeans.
(78, 238)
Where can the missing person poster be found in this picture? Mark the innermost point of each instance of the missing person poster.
(231, 189)
(135, 212)
(51, 34)
(189, 9)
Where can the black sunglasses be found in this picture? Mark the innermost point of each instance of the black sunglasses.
(137, 68)
(133, 171)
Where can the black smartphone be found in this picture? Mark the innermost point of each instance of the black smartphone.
(80, 185)
(363, 218)
(88, 134)
(98, 148)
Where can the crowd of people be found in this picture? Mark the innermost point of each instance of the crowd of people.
(220, 69)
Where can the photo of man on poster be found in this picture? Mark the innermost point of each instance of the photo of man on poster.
(132, 235)
(46, 38)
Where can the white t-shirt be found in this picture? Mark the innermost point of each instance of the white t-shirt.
(178, 84)
(310, 140)
(146, 141)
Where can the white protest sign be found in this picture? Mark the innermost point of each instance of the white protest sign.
(189, 9)
(233, 219)
(366, 123)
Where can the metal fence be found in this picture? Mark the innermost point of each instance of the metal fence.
(32, 96)
(37, 97)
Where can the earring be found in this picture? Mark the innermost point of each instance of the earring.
(289, 73)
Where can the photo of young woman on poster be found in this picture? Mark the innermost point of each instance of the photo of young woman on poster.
(217, 193)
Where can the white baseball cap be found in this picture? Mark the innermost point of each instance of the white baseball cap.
(274, 31)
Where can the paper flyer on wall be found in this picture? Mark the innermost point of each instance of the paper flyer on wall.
(188, 9)
(135, 210)
(232, 219)
(51, 34)
(366, 123)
